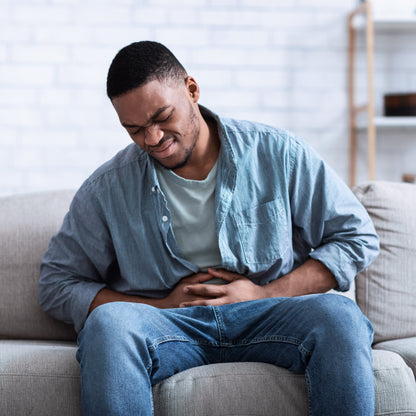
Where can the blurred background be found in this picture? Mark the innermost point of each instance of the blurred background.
(283, 63)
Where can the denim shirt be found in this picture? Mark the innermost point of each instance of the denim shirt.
(277, 203)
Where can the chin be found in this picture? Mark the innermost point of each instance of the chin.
(177, 164)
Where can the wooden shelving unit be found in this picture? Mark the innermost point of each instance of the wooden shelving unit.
(369, 25)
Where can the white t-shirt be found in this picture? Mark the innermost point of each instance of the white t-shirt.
(192, 207)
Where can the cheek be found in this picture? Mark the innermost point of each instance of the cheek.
(138, 139)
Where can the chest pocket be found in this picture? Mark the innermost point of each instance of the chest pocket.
(263, 233)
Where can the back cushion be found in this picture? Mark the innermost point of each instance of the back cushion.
(386, 291)
(27, 223)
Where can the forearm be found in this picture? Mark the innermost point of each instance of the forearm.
(175, 298)
(108, 295)
(311, 277)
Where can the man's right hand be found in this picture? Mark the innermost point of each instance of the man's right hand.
(173, 300)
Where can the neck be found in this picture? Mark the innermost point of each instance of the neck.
(205, 153)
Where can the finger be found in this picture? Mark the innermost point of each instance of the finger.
(209, 291)
(223, 274)
(205, 302)
(198, 278)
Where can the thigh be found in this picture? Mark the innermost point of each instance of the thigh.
(285, 331)
(162, 341)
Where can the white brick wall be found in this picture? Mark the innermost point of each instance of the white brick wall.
(279, 62)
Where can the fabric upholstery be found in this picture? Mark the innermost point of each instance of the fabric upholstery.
(27, 223)
(232, 389)
(405, 347)
(39, 378)
(236, 389)
(42, 378)
(394, 385)
(386, 291)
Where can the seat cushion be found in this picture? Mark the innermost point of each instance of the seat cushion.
(27, 223)
(232, 389)
(43, 378)
(39, 378)
(405, 347)
(386, 291)
(263, 389)
(395, 385)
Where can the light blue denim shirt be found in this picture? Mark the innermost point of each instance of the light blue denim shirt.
(276, 204)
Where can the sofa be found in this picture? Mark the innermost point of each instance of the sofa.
(39, 374)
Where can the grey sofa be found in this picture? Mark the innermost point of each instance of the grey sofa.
(39, 374)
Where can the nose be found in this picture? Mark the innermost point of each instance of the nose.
(153, 135)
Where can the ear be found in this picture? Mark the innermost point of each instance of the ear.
(192, 89)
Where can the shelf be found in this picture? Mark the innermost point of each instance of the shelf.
(395, 121)
(395, 23)
(387, 122)
(368, 20)
(398, 23)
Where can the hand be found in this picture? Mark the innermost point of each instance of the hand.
(179, 295)
(237, 289)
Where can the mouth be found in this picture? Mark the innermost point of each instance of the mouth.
(164, 150)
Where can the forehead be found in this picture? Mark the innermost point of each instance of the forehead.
(138, 105)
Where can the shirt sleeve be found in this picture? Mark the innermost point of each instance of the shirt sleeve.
(77, 263)
(329, 217)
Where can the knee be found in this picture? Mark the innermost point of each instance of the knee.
(115, 321)
(340, 319)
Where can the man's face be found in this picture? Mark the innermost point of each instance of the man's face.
(161, 118)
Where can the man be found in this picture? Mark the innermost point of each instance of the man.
(203, 242)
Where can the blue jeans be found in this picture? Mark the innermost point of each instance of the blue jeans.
(125, 348)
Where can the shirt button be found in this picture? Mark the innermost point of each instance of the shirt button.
(153, 189)
(164, 218)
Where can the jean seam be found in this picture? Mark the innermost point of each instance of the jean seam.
(167, 338)
(220, 324)
(260, 340)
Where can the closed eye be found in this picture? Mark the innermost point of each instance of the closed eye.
(154, 121)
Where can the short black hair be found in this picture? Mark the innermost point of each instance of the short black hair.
(139, 63)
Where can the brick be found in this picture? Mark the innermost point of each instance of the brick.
(181, 3)
(41, 13)
(151, 16)
(82, 75)
(12, 33)
(17, 96)
(240, 37)
(260, 57)
(39, 54)
(117, 37)
(4, 55)
(212, 78)
(63, 34)
(185, 16)
(183, 36)
(8, 139)
(96, 54)
(26, 75)
(96, 14)
(50, 137)
(262, 78)
(230, 98)
(19, 117)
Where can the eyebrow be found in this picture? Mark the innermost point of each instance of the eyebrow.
(156, 114)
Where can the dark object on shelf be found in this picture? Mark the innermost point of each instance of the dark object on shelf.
(409, 178)
(399, 105)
